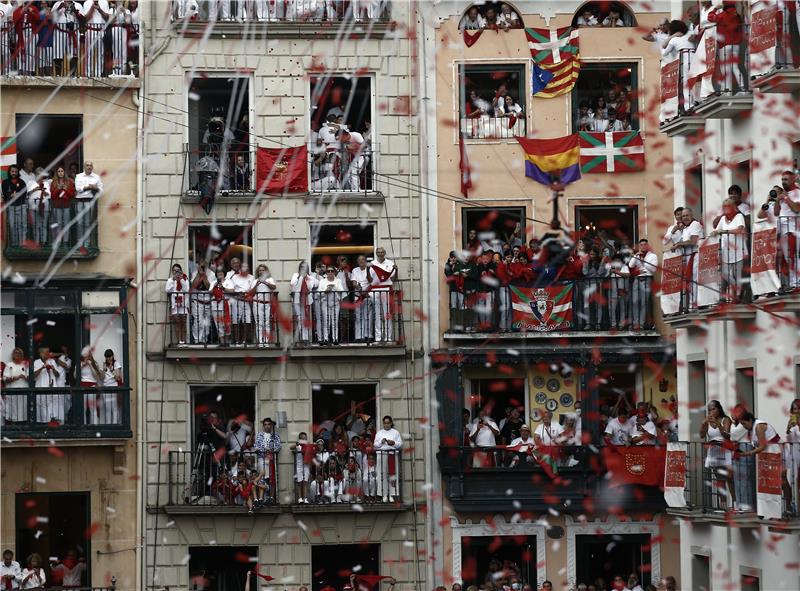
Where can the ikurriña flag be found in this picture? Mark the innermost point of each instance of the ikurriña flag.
(282, 170)
(556, 60)
(612, 151)
(550, 161)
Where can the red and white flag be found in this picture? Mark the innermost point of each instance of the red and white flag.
(671, 283)
(709, 279)
(675, 475)
(769, 471)
(763, 270)
(612, 151)
(765, 23)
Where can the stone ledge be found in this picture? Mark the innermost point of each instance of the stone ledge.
(66, 82)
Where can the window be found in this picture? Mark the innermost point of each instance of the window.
(701, 572)
(593, 14)
(229, 402)
(493, 227)
(697, 394)
(220, 244)
(496, 396)
(750, 583)
(517, 554)
(606, 97)
(51, 140)
(745, 388)
(492, 102)
(614, 226)
(337, 403)
(693, 188)
(331, 241)
(219, 133)
(348, 98)
(609, 555)
(491, 15)
(614, 380)
(332, 564)
(53, 525)
(222, 568)
(741, 177)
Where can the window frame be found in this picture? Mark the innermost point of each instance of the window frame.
(78, 143)
(624, 5)
(310, 246)
(208, 225)
(522, 209)
(630, 206)
(473, 382)
(637, 83)
(252, 550)
(192, 387)
(377, 399)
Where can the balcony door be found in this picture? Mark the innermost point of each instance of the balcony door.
(607, 556)
(50, 140)
(514, 556)
(608, 225)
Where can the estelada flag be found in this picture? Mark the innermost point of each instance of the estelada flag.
(612, 151)
(282, 170)
(555, 160)
(643, 465)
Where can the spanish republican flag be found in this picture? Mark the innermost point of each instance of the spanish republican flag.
(556, 160)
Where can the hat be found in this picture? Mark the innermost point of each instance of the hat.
(268, 420)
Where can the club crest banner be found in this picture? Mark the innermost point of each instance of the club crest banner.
(541, 309)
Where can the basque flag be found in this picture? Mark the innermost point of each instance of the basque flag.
(612, 151)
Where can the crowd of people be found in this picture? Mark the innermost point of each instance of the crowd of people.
(616, 280)
(54, 371)
(67, 572)
(488, 16)
(341, 158)
(602, 14)
(609, 111)
(223, 303)
(507, 577)
(43, 211)
(281, 10)
(67, 38)
(348, 461)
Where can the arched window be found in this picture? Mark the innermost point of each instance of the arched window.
(491, 15)
(604, 14)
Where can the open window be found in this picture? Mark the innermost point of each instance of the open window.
(346, 99)
(493, 227)
(608, 226)
(616, 380)
(492, 100)
(222, 568)
(741, 176)
(230, 403)
(343, 404)
(693, 187)
(219, 244)
(610, 555)
(219, 133)
(603, 14)
(333, 240)
(606, 97)
(491, 15)
(514, 556)
(497, 396)
(332, 564)
(54, 525)
(51, 141)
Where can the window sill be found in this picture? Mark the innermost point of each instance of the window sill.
(20, 253)
(105, 82)
(240, 197)
(32, 438)
(284, 30)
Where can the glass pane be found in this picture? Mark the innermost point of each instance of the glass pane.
(99, 299)
(53, 300)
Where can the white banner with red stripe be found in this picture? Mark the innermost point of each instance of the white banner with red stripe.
(675, 475)
(669, 90)
(763, 267)
(709, 280)
(671, 283)
(769, 474)
(765, 21)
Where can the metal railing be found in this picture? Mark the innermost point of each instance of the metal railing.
(732, 72)
(595, 304)
(484, 128)
(348, 317)
(65, 412)
(281, 11)
(372, 478)
(787, 49)
(35, 229)
(211, 477)
(71, 50)
(527, 458)
(111, 587)
(788, 252)
(342, 170)
(234, 320)
(219, 166)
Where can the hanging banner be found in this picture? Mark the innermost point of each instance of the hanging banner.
(671, 283)
(763, 40)
(541, 309)
(769, 471)
(675, 475)
(642, 465)
(709, 280)
(669, 90)
(763, 271)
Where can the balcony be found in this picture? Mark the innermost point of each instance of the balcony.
(677, 102)
(562, 478)
(74, 55)
(283, 18)
(774, 51)
(33, 233)
(577, 309)
(66, 413)
(492, 128)
(754, 490)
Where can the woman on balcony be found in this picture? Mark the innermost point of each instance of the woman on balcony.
(716, 431)
(65, 40)
(791, 458)
(303, 285)
(732, 230)
(388, 444)
(112, 378)
(15, 376)
(62, 196)
(330, 292)
(263, 292)
(177, 289)
(15, 200)
(96, 13)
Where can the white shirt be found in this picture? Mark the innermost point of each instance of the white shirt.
(608, 22)
(672, 50)
(478, 23)
(592, 22)
(262, 288)
(108, 374)
(71, 576)
(37, 193)
(28, 177)
(13, 570)
(672, 235)
(619, 432)
(646, 265)
(37, 580)
(96, 17)
(46, 379)
(236, 439)
(732, 247)
(387, 266)
(523, 442)
(297, 286)
(13, 370)
(87, 373)
(785, 210)
(549, 433)
(61, 381)
(648, 427)
(482, 104)
(390, 434)
(693, 229)
(769, 433)
(83, 180)
(511, 19)
(5, 11)
(324, 283)
(239, 283)
(361, 277)
(486, 437)
(599, 125)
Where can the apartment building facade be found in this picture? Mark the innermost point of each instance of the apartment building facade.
(70, 477)
(244, 97)
(735, 332)
(551, 527)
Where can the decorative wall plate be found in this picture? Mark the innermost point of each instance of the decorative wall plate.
(538, 382)
(551, 404)
(540, 398)
(553, 385)
(566, 399)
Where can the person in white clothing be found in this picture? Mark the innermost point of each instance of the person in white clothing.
(642, 266)
(15, 376)
(508, 19)
(90, 376)
(522, 445)
(39, 206)
(673, 234)
(732, 231)
(473, 20)
(240, 284)
(303, 285)
(658, 35)
(677, 41)
(177, 289)
(384, 274)
(786, 209)
(262, 304)
(65, 363)
(10, 572)
(46, 372)
(119, 22)
(618, 431)
(548, 433)
(791, 458)
(33, 577)
(199, 307)
(687, 247)
(109, 407)
(65, 44)
(761, 432)
(330, 292)
(643, 431)
(388, 444)
(96, 14)
(587, 18)
(70, 570)
(360, 280)
(614, 18)
(716, 431)
(88, 189)
(483, 434)
(28, 172)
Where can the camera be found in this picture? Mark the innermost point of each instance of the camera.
(773, 195)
